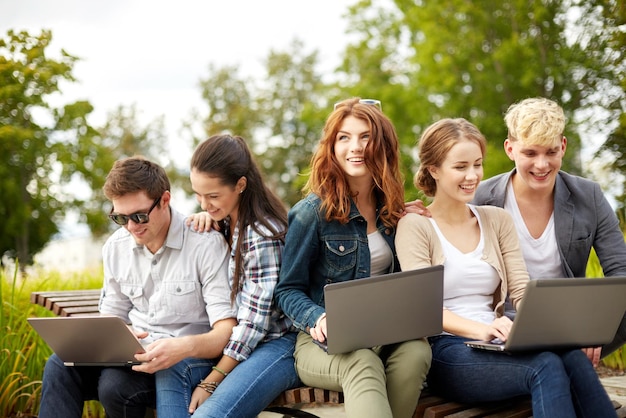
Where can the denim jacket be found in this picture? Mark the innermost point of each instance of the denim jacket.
(318, 252)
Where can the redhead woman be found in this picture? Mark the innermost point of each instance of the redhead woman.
(344, 229)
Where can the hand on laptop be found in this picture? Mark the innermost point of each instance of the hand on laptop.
(499, 329)
(139, 334)
(593, 354)
(161, 354)
(318, 332)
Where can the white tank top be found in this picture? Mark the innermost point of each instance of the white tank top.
(469, 282)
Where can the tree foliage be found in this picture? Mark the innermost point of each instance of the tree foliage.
(472, 60)
(452, 58)
(121, 136)
(281, 117)
(37, 156)
(53, 161)
(293, 101)
(605, 34)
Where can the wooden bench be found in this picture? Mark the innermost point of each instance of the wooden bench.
(291, 402)
(68, 302)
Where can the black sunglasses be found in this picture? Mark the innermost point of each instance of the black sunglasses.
(138, 218)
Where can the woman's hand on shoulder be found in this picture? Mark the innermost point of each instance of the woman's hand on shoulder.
(416, 206)
(201, 222)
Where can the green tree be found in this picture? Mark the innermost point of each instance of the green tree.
(123, 135)
(293, 102)
(281, 117)
(472, 59)
(41, 146)
(48, 153)
(377, 65)
(605, 36)
(230, 101)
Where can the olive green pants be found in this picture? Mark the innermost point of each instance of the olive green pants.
(382, 382)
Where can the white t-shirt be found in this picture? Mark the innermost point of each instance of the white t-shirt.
(380, 254)
(542, 254)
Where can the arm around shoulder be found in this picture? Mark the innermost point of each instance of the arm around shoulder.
(416, 243)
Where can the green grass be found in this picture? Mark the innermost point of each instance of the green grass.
(617, 359)
(22, 352)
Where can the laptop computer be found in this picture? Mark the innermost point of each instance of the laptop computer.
(89, 340)
(564, 313)
(383, 309)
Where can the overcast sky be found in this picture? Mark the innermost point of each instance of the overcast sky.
(153, 52)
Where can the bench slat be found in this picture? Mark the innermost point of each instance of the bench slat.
(522, 409)
(82, 311)
(68, 302)
(50, 302)
(443, 410)
(59, 307)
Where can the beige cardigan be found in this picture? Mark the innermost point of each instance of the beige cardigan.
(418, 245)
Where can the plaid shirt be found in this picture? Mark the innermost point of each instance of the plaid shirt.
(258, 316)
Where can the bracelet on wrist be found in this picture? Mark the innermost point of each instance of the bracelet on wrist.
(208, 386)
(220, 371)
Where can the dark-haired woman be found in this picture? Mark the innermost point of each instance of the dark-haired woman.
(257, 363)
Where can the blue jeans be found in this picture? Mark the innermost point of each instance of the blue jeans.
(255, 382)
(122, 392)
(175, 385)
(561, 383)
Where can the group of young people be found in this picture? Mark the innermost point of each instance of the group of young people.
(231, 301)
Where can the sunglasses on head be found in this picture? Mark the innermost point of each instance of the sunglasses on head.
(372, 102)
(138, 218)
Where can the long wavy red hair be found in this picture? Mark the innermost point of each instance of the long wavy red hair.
(328, 180)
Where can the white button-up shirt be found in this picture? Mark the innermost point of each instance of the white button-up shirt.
(182, 289)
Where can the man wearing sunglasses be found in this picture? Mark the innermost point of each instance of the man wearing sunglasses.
(169, 283)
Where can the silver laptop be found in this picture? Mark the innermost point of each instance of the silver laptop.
(89, 340)
(384, 309)
(565, 313)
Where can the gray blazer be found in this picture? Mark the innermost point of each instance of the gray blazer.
(583, 219)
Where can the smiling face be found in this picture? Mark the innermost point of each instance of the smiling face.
(153, 233)
(217, 199)
(460, 172)
(350, 142)
(537, 165)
